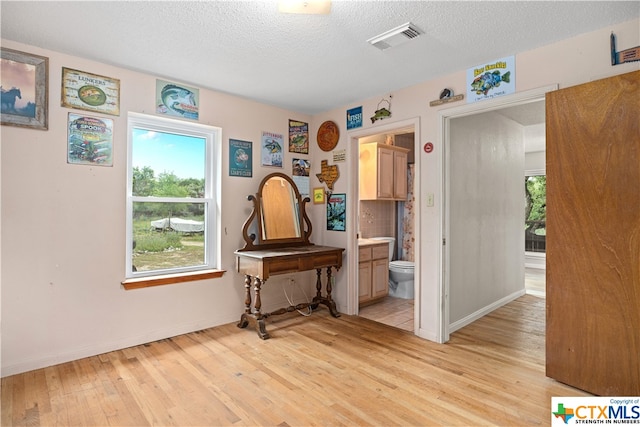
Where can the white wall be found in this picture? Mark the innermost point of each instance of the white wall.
(63, 225)
(486, 256)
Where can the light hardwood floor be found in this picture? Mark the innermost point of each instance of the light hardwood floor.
(315, 370)
(398, 312)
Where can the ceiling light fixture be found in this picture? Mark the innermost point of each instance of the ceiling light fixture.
(309, 7)
(395, 36)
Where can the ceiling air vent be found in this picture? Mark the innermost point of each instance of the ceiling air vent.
(395, 36)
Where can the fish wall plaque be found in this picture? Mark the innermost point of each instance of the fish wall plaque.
(381, 112)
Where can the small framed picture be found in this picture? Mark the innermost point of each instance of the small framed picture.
(318, 196)
(24, 89)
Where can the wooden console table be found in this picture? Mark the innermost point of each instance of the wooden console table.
(259, 265)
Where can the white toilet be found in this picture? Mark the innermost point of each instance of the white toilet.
(400, 273)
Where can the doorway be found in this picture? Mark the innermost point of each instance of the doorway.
(483, 245)
(404, 127)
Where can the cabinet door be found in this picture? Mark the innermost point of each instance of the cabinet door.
(364, 281)
(385, 173)
(400, 175)
(380, 277)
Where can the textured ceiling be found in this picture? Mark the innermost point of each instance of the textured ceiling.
(309, 64)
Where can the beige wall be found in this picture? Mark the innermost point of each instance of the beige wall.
(566, 63)
(63, 235)
(63, 225)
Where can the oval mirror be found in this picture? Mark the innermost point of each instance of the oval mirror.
(280, 210)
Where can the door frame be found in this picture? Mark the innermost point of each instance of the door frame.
(412, 124)
(445, 117)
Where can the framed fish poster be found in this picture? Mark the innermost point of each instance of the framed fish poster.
(298, 137)
(177, 100)
(90, 140)
(240, 158)
(337, 212)
(491, 80)
(91, 92)
(271, 149)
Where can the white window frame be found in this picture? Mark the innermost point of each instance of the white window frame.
(213, 138)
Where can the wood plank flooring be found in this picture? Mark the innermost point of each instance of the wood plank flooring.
(398, 312)
(315, 370)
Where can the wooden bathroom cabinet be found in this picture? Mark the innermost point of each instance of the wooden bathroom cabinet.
(373, 272)
(383, 172)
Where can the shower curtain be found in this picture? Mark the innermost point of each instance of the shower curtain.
(405, 230)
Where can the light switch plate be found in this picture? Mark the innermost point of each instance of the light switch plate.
(430, 200)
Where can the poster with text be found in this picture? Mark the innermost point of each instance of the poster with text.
(298, 137)
(240, 158)
(86, 91)
(271, 149)
(354, 118)
(90, 140)
(491, 80)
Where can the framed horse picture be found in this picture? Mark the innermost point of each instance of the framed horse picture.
(23, 87)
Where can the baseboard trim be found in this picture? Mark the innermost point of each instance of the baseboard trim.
(94, 350)
(484, 311)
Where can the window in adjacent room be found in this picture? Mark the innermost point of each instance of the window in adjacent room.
(172, 197)
(535, 225)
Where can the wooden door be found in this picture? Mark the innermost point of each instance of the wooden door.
(593, 236)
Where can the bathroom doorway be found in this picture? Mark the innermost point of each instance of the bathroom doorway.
(377, 218)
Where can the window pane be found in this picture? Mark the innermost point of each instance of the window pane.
(536, 213)
(168, 235)
(168, 164)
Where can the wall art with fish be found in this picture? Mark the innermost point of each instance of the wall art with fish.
(491, 80)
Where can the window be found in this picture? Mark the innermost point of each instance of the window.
(535, 225)
(172, 199)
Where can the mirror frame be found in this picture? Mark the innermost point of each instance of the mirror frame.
(255, 242)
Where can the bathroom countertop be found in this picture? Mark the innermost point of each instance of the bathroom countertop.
(367, 242)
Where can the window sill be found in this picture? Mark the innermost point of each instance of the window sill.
(170, 279)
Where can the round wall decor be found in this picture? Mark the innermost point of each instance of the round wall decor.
(328, 135)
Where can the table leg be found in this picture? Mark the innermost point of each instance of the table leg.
(260, 326)
(330, 302)
(319, 283)
(244, 320)
(327, 300)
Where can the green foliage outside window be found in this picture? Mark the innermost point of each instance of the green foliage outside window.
(535, 213)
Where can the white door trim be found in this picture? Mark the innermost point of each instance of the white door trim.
(353, 155)
(445, 116)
